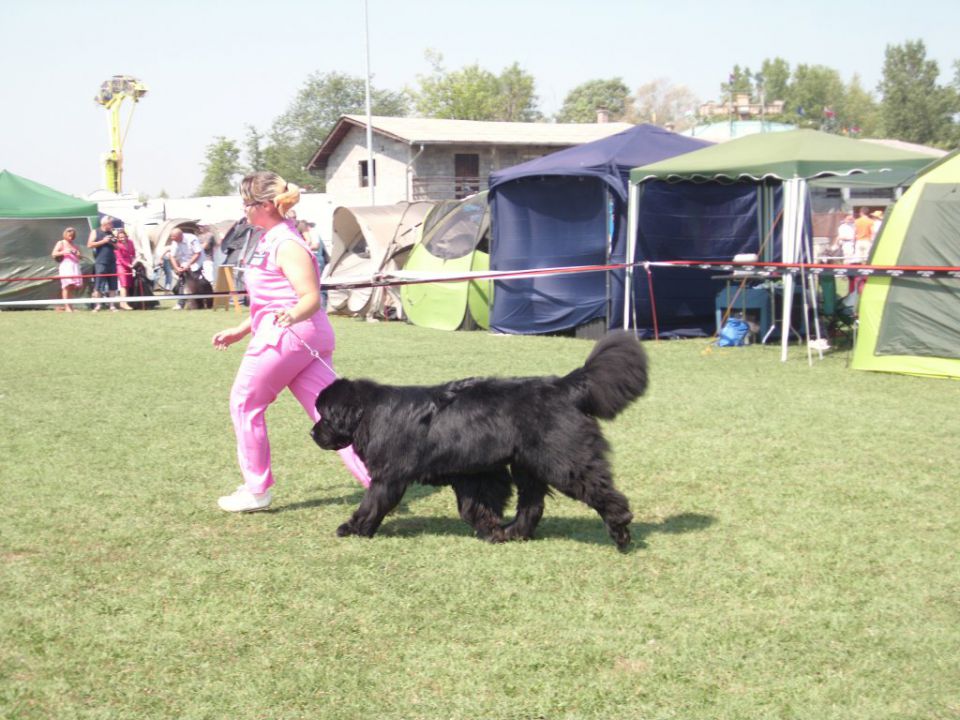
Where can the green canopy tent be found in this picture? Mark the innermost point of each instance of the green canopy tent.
(32, 219)
(912, 324)
(786, 159)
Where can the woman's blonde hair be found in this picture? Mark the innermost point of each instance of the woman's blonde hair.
(266, 186)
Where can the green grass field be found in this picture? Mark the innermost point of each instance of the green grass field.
(795, 548)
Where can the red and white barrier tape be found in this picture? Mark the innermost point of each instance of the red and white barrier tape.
(406, 277)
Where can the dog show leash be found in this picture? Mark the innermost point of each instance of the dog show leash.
(314, 353)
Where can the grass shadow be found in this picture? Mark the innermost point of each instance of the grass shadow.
(414, 493)
(585, 530)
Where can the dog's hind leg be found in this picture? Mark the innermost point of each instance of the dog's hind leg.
(480, 501)
(530, 494)
(593, 485)
(379, 499)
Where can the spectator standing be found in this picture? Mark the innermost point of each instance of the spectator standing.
(67, 255)
(846, 237)
(126, 254)
(863, 234)
(103, 244)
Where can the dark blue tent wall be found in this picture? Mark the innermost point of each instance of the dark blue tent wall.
(554, 211)
(692, 221)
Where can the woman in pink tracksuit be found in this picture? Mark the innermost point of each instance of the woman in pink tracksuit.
(285, 316)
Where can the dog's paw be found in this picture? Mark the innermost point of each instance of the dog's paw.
(346, 530)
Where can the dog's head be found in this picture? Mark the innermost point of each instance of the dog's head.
(340, 405)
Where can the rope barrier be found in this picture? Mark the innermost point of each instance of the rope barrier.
(398, 278)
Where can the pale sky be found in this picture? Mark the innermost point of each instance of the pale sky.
(215, 67)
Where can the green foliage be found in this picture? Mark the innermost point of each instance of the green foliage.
(221, 165)
(815, 89)
(581, 103)
(473, 93)
(298, 133)
(814, 96)
(859, 112)
(254, 150)
(774, 77)
(796, 531)
(914, 107)
(740, 80)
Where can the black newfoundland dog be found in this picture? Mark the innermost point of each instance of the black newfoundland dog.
(483, 435)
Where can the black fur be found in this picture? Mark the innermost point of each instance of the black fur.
(141, 287)
(481, 435)
(192, 282)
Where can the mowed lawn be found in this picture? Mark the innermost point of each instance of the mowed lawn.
(795, 549)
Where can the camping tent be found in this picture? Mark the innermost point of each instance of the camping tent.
(768, 162)
(455, 240)
(912, 324)
(563, 209)
(366, 241)
(32, 219)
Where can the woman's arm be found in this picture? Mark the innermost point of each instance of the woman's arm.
(225, 338)
(297, 265)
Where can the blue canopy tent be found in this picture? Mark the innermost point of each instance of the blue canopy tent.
(569, 208)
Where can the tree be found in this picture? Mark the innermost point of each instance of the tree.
(581, 103)
(473, 93)
(914, 108)
(518, 99)
(773, 80)
(739, 81)
(297, 134)
(815, 93)
(254, 150)
(221, 165)
(660, 102)
(858, 115)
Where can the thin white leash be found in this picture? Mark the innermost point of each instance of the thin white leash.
(314, 353)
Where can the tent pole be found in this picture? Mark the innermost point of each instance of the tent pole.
(610, 215)
(633, 204)
(790, 192)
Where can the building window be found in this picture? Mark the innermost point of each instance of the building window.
(466, 171)
(365, 175)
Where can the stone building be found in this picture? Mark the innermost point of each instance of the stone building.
(430, 159)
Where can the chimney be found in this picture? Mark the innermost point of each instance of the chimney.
(603, 115)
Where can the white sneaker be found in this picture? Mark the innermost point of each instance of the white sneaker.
(242, 500)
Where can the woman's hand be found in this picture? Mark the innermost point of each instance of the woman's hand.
(284, 318)
(225, 338)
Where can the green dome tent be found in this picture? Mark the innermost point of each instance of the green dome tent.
(32, 219)
(455, 240)
(912, 324)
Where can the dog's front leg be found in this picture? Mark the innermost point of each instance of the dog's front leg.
(379, 499)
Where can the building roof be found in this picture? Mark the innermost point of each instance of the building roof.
(431, 131)
(912, 147)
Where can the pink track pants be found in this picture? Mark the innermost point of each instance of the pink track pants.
(263, 374)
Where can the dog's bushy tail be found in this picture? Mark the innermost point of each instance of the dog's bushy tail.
(614, 375)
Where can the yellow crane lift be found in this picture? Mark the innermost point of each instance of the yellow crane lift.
(111, 96)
